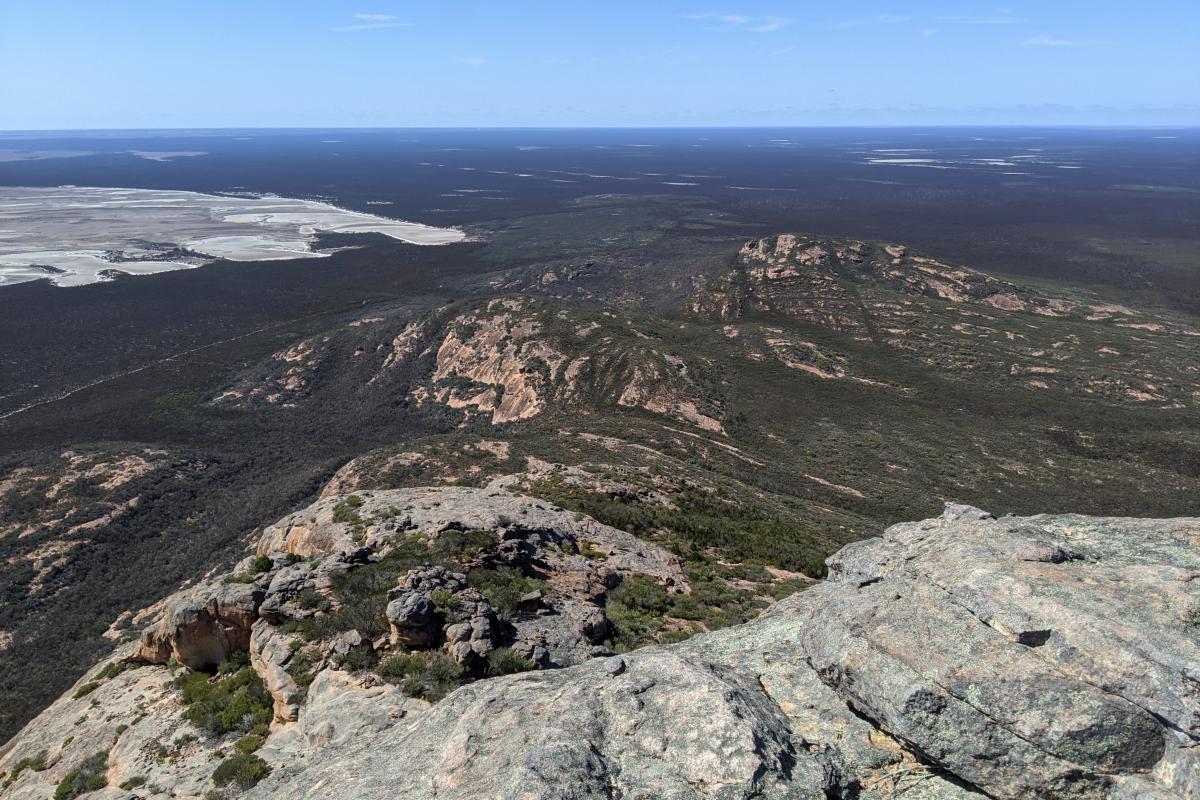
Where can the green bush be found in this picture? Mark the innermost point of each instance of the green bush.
(453, 546)
(311, 599)
(249, 743)
(243, 769)
(345, 512)
(301, 667)
(430, 674)
(506, 661)
(235, 702)
(702, 520)
(36, 763)
(87, 777)
(399, 665)
(642, 593)
(133, 783)
(261, 564)
(503, 586)
(445, 604)
(359, 658)
(587, 551)
(87, 689)
(236, 661)
(112, 669)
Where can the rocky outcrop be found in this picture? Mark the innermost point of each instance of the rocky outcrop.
(955, 658)
(473, 629)
(517, 358)
(1032, 657)
(961, 321)
(271, 652)
(201, 627)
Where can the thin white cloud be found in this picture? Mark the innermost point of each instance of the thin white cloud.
(999, 19)
(927, 32)
(770, 24)
(879, 19)
(741, 22)
(1049, 40)
(471, 61)
(370, 22)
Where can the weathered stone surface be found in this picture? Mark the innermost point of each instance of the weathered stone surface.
(1050, 655)
(287, 583)
(1039, 657)
(593, 735)
(478, 632)
(891, 679)
(559, 636)
(340, 710)
(200, 627)
(411, 618)
(270, 653)
(134, 718)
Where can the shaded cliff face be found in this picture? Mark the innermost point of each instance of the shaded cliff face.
(963, 656)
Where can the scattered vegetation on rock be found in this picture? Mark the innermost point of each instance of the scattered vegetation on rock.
(87, 777)
(35, 763)
(242, 770)
(233, 700)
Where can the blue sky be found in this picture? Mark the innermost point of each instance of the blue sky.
(311, 63)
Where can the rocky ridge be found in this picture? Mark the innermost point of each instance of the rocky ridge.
(1034, 657)
(506, 360)
(950, 317)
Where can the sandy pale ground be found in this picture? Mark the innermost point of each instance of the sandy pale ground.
(73, 235)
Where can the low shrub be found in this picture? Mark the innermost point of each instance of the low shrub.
(359, 658)
(249, 743)
(236, 660)
(87, 689)
(506, 661)
(503, 586)
(36, 763)
(429, 675)
(89, 776)
(235, 702)
(112, 669)
(243, 769)
(301, 667)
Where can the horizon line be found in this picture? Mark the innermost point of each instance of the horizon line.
(802, 126)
